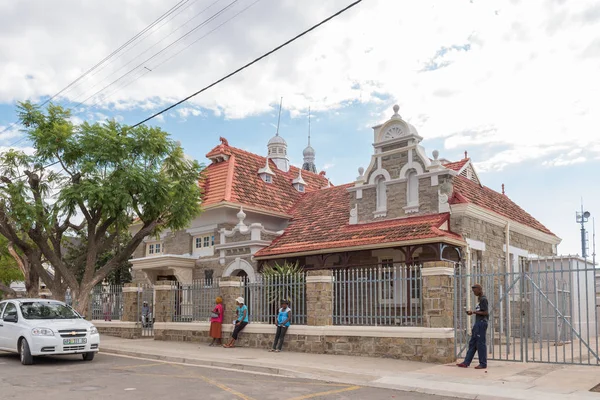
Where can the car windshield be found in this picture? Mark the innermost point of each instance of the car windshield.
(47, 310)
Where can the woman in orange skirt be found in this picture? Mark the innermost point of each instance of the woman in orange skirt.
(216, 320)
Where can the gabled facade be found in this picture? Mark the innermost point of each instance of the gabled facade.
(404, 207)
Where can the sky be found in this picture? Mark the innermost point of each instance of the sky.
(514, 83)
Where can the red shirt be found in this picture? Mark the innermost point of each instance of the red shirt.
(218, 309)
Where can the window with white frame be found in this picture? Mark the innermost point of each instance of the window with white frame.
(205, 241)
(154, 248)
(412, 188)
(381, 194)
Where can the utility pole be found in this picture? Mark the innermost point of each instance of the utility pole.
(594, 242)
(581, 218)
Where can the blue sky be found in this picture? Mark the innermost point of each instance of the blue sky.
(513, 83)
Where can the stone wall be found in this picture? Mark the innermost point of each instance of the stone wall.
(431, 350)
(494, 237)
(178, 243)
(119, 329)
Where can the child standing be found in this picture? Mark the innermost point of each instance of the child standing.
(283, 323)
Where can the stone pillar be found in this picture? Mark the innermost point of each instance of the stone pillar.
(319, 297)
(163, 297)
(438, 294)
(438, 309)
(231, 288)
(130, 303)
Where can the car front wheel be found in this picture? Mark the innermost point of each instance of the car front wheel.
(25, 353)
(88, 356)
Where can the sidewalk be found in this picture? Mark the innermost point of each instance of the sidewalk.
(503, 380)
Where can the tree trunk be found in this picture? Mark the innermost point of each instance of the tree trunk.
(32, 283)
(81, 301)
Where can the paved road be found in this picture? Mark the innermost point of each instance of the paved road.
(113, 377)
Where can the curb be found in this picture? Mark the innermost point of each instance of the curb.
(201, 362)
(473, 393)
(282, 372)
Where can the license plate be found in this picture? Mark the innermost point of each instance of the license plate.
(75, 341)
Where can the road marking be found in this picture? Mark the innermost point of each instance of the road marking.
(138, 366)
(225, 388)
(196, 365)
(313, 395)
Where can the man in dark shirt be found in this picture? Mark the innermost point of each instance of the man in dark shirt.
(477, 342)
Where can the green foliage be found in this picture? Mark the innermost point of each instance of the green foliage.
(109, 174)
(76, 249)
(284, 281)
(9, 271)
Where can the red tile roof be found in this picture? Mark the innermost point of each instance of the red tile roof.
(467, 191)
(320, 221)
(456, 166)
(236, 180)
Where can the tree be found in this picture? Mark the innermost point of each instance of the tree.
(109, 175)
(75, 248)
(9, 269)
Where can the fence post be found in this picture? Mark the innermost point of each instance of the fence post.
(438, 308)
(319, 297)
(164, 306)
(130, 303)
(231, 289)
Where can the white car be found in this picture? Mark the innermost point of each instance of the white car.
(42, 327)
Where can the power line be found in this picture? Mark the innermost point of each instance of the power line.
(163, 22)
(145, 72)
(237, 70)
(250, 63)
(162, 17)
(203, 23)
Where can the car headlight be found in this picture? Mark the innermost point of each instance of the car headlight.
(42, 332)
(93, 330)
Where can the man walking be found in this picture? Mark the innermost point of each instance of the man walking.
(477, 342)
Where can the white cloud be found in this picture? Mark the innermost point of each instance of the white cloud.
(327, 166)
(10, 133)
(185, 112)
(518, 75)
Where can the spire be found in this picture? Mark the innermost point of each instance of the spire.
(309, 152)
(279, 116)
(308, 126)
(278, 147)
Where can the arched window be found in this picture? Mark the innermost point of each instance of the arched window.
(412, 195)
(381, 194)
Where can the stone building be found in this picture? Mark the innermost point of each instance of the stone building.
(405, 207)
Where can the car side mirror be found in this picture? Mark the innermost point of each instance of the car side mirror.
(11, 318)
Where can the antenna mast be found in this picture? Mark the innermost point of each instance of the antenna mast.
(279, 117)
(309, 125)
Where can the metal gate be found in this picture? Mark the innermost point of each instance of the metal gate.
(541, 310)
(146, 307)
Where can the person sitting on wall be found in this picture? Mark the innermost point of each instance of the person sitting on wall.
(283, 323)
(240, 322)
(216, 321)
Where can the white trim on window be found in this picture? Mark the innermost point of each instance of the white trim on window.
(204, 245)
(154, 248)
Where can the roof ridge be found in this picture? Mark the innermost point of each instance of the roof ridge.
(229, 181)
